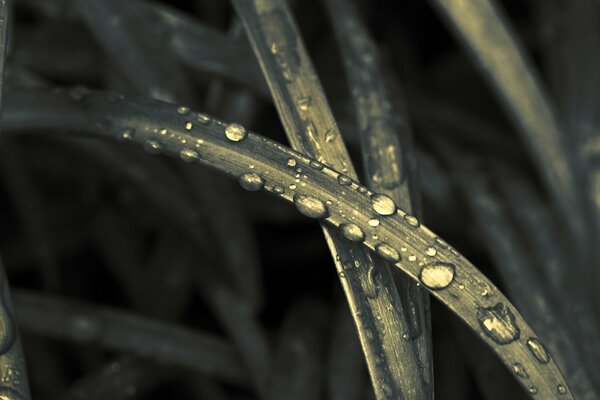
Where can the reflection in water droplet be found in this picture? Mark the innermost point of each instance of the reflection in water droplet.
(311, 206)
(352, 232)
(387, 252)
(251, 181)
(153, 147)
(498, 323)
(538, 350)
(520, 371)
(235, 132)
(382, 204)
(412, 221)
(437, 275)
(343, 180)
(203, 119)
(189, 155)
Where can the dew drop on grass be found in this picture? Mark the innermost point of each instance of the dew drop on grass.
(311, 206)
(520, 371)
(153, 147)
(188, 125)
(352, 232)
(412, 221)
(374, 222)
(183, 110)
(387, 252)
(316, 165)
(235, 132)
(562, 389)
(538, 350)
(382, 204)
(498, 323)
(533, 390)
(343, 180)
(251, 181)
(437, 275)
(291, 162)
(189, 155)
(203, 119)
(125, 136)
(304, 104)
(431, 252)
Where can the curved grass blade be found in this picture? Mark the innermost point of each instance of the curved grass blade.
(261, 164)
(491, 42)
(385, 140)
(311, 128)
(124, 332)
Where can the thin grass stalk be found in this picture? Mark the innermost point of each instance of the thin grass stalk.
(489, 39)
(124, 332)
(387, 154)
(311, 128)
(261, 164)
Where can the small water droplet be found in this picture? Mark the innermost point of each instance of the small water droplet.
(343, 180)
(125, 136)
(189, 155)
(431, 252)
(520, 371)
(412, 258)
(188, 125)
(311, 206)
(538, 350)
(293, 186)
(163, 132)
(304, 104)
(374, 222)
(533, 390)
(291, 162)
(352, 232)
(251, 181)
(278, 190)
(440, 242)
(382, 204)
(498, 323)
(562, 389)
(316, 165)
(437, 275)
(183, 110)
(235, 132)
(412, 221)
(153, 147)
(387, 252)
(204, 119)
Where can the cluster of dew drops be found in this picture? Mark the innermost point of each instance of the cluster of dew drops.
(497, 322)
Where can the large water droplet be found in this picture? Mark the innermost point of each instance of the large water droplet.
(387, 252)
(311, 206)
(498, 323)
(189, 155)
(235, 132)
(382, 204)
(437, 275)
(251, 181)
(352, 232)
(538, 350)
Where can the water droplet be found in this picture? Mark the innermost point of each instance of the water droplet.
(437, 275)
(163, 132)
(562, 389)
(188, 126)
(311, 206)
(183, 110)
(533, 390)
(153, 147)
(251, 181)
(189, 155)
(125, 136)
(304, 104)
(519, 371)
(431, 252)
(412, 258)
(343, 180)
(235, 132)
(369, 334)
(291, 162)
(538, 350)
(387, 252)
(316, 165)
(204, 119)
(352, 232)
(412, 221)
(278, 190)
(440, 242)
(498, 322)
(362, 189)
(293, 186)
(382, 204)
(374, 222)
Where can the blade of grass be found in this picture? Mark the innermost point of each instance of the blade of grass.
(489, 39)
(128, 333)
(311, 129)
(261, 164)
(386, 147)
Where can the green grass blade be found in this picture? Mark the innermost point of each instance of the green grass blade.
(311, 128)
(261, 164)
